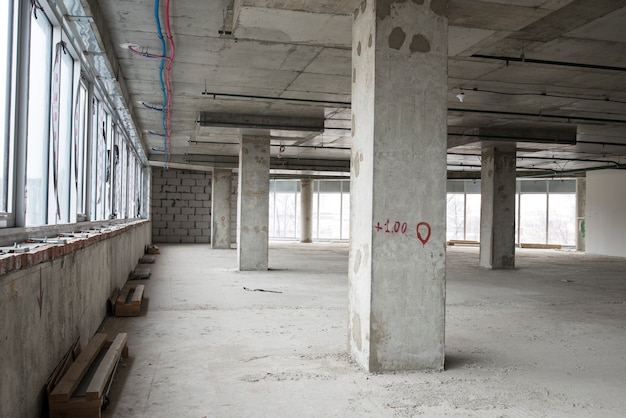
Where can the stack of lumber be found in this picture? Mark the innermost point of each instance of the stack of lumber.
(128, 300)
(83, 387)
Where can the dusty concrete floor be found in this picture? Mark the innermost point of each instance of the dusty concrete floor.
(545, 340)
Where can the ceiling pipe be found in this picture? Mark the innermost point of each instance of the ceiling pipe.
(539, 115)
(549, 62)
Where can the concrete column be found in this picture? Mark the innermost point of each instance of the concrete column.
(581, 203)
(220, 209)
(253, 203)
(306, 210)
(398, 185)
(497, 214)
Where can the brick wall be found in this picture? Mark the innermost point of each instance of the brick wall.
(181, 206)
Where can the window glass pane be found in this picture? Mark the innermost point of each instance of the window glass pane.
(330, 186)
(455, 215)
(285, 220)
(59, 201)
(346, 186)
(101, 162)
(329, 217)
(562, 219)
(5, 96)
(112, 157)
(533, 186)
(38, 120)
(472, 219)
(79, 150)
(455, 186)
(562, 186)
(282, 186)
(93, 160)
(272, 212)
(123, 181)
(533, 218)
(472, 186)
(345, 212)
(118, 162)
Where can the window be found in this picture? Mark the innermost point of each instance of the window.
(328, 208)
(455, 208)
(463, 210)
(75, 164)
(80, 146)
(61, 145)
(38, 120)
(284, 208)
(6, 62)
(545, 211)
(533, 216)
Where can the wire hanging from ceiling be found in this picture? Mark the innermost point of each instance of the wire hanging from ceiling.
(165, 76)
(163, 91)
(168, 76)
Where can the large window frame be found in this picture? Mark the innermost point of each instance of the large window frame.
(38, 133)
(8, 65)
(56, 125)
(536, 216)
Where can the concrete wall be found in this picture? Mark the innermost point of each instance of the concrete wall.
(181, 206)
(50, 297)
(605, 221)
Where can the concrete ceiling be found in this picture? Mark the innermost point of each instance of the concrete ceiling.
(252, 66)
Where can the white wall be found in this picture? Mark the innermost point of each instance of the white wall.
(605, 221)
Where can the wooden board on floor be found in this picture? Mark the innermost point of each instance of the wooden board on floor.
(70, 380)
(542, 246)
(128, 302)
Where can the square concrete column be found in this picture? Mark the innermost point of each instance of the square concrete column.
(398, 185)
(306, 210)
(581, 204)
(220, 208)
(497, 213)
(253, 203)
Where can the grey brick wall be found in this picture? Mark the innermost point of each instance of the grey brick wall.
(181, 206)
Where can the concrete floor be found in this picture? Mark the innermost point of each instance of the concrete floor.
(545, 340)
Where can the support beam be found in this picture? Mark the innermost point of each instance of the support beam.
(220, 209)
(253, 205)
(398, 185)
(306, 210)
(497, 214)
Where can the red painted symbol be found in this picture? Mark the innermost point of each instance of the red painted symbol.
(420, 237)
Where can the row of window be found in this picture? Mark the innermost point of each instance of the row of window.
(63, 158)
(545, 210)
(331, 209)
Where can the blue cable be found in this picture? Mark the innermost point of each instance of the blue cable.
(163, 52)
(147, 106)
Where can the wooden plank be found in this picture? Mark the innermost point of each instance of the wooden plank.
(62, 367)
(121, 298)
(137, 295)
(68, 383)
(462, 241)
(542, 246)
(125, 352)
(76, 408)
(101, 377)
